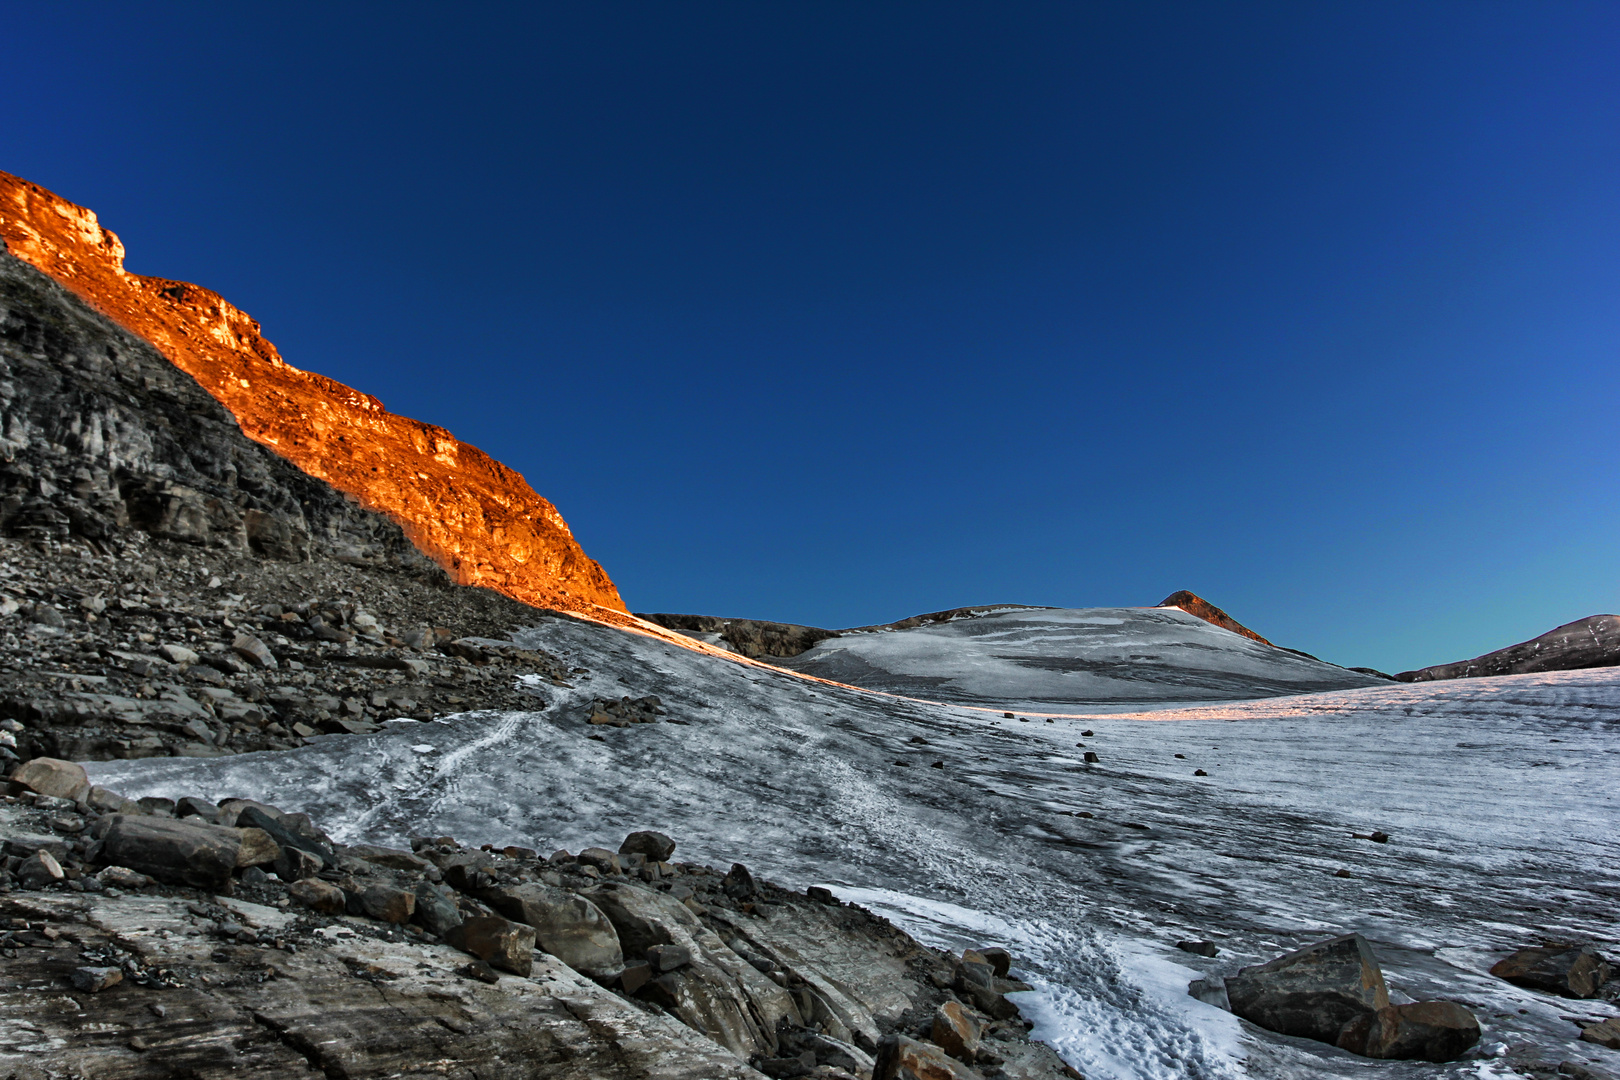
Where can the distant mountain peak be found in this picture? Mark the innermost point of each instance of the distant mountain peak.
(1193, 604)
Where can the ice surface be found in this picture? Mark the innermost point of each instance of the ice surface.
(1045, 658)
(1499, 795)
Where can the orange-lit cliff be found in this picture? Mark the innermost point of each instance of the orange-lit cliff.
(478, 519)
(1193, 604)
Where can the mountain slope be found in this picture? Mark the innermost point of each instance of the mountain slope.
(1193, 604)
(1089, 873)
(475, 517)
(1047, 658)
(1585, 643)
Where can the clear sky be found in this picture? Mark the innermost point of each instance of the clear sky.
(837, 313)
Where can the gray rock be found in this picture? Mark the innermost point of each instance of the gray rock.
(39, 870)
(177, 852)
(93, 980)
(1575, 971)
(902, 1058)
(506, 945)
(178, 654)
(1211, 990)
(601, 858)
(1421, 1030)
(1313, 992)
(49, 776)
(319, 895)
(436, 910)
(662, 958)
(295, 865)
(283, 834)
(654, 845)
(739, 883)
(568, 926)
(388, 904)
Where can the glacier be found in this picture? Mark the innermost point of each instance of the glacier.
(1498, 794)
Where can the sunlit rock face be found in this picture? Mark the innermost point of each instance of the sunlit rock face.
(1193, 604)
(1054, 659)
(474, 516)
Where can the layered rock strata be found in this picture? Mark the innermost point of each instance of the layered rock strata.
(475, 517)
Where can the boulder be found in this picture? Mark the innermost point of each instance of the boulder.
(662, 958)
(1000, 961)
(257, 847)
(295, 865)
(93, 980)
(392, 858)
(567, 926)
(388, 904)
(253, 651)
(955, 1031)
(319, 895)
(48, 776)
(601, 858)
(177, 852)
(1211, 990)
(1604, 1033)
(436, 909)
(499, 943)
(739, 883)
(1313, 992)
(655, 845)
(191, 806)
(178, 654)
(39, 870)
(900, 1058)
(1418, 1031)
(284, 832)
(1575, 971)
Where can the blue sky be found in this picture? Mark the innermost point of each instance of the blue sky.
(837, 313)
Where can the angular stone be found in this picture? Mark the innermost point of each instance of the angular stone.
(499, 943)
(955, 1032)
(38, 870)
(662, 958)
(739, 883)
(1312, 992)
(254, 651)
(388, 904)
(566, 925)
(1211, 990)
(1570, 970)
(103, 801)
(178, 654)
(319, 895)
(295, 865)
(49, 776)
(436, 909)
(257, 848)
(1419, 1031)
(122, 877)
(93, 980)
(282, 832)
(1000, 961)
(392, 858)
(1604, 1033)
(191, 806)
(655, 845)
(900, 1058)
(601, 858)
(177, 852)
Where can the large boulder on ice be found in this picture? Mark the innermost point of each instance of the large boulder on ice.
(1312, 992)
(1417, 1031)
(1575, 971)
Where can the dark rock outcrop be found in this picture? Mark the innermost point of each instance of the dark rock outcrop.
(1585, 643)
(1419, 1030)
(753, 638)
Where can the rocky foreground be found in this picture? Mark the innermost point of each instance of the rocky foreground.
(155, 939)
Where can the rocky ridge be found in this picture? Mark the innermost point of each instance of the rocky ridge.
(475, 517)
(1585, 643)
(160, 938)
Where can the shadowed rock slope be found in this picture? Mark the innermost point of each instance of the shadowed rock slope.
(1585, 643)
(475, 517)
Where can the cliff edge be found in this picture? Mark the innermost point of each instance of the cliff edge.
(475, 517)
